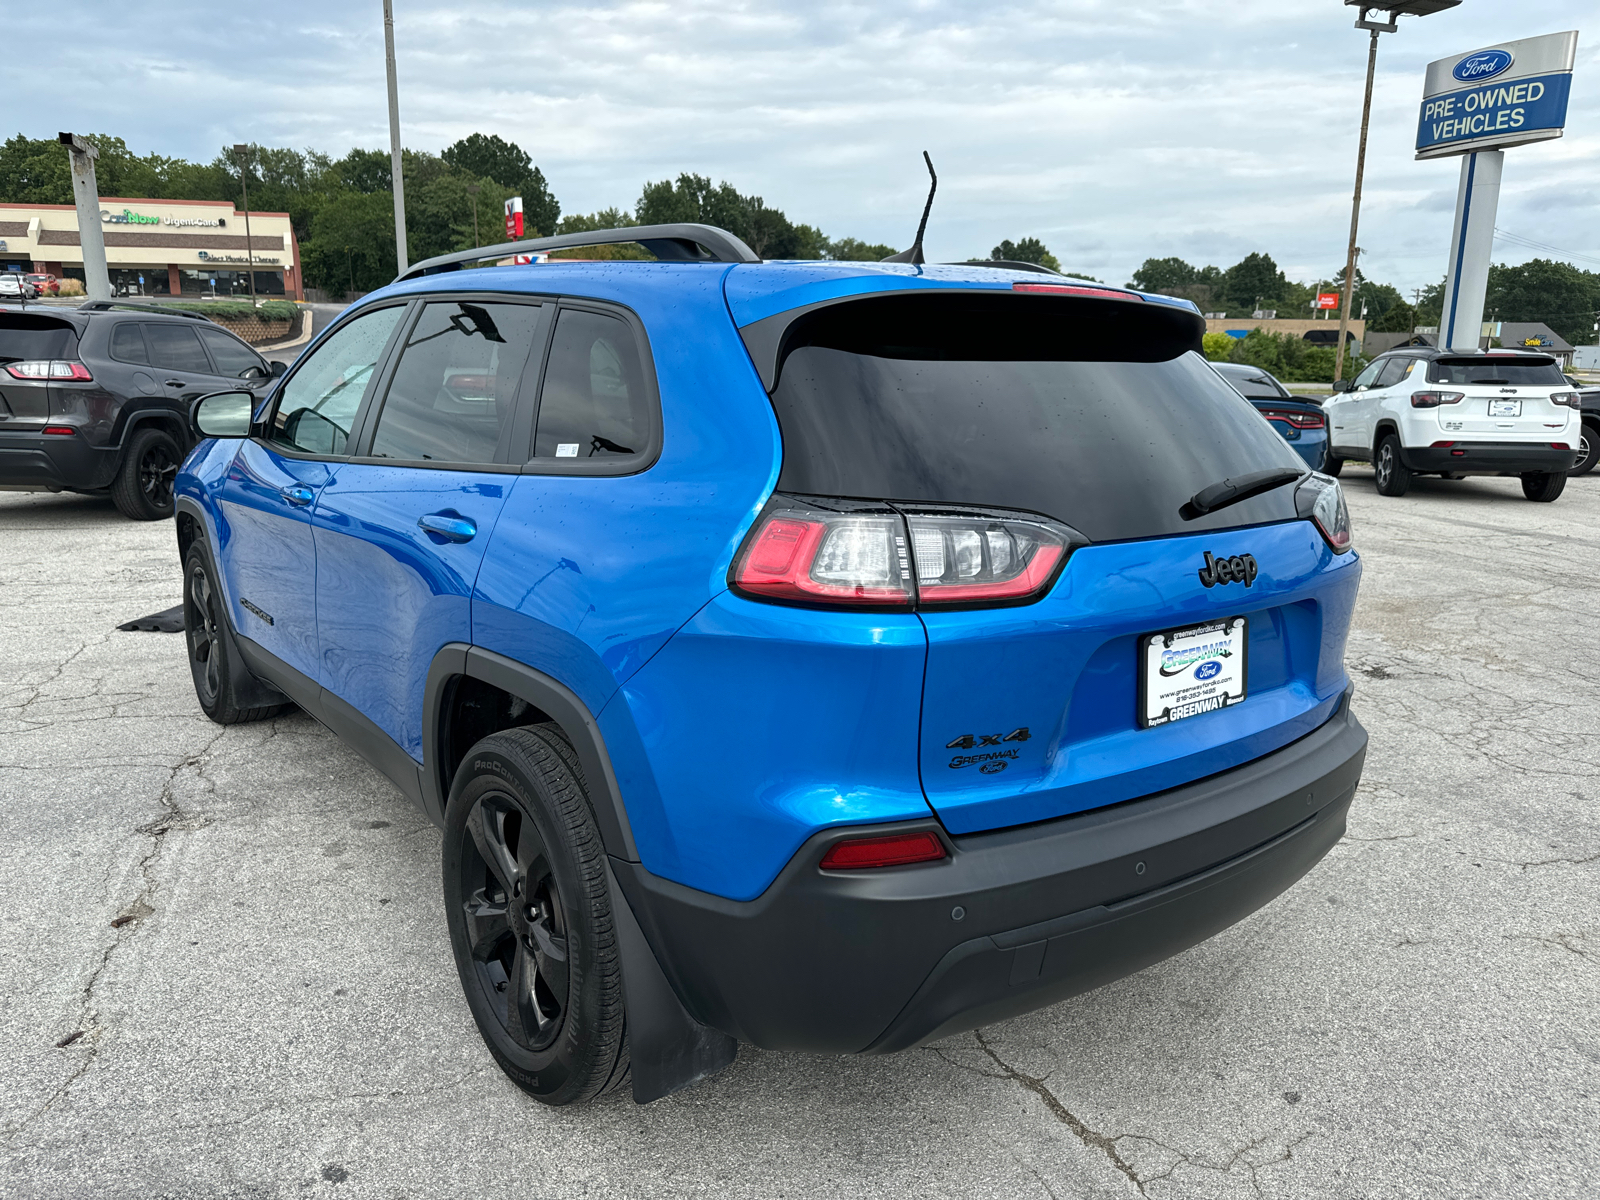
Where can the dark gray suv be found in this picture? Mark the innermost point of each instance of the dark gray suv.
(96, 399)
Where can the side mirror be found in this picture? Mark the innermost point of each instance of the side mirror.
(1341, 385)
(223, 414)
(278, 368)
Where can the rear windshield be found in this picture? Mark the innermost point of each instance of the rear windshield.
(24, 336)
(1513, 372)
(1097, 413)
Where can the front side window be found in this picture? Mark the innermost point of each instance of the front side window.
(318, 404)
(232, 357)
(593, 404)
(1364, 380)
(176, 348)
(456, 384)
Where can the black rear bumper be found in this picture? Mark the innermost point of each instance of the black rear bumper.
(58, 462)
(841, 962)
(1490, 458)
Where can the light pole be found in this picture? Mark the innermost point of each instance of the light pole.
(242, 153)
(394, 133)
(1393, 9)
(86, 196)
(472, 190)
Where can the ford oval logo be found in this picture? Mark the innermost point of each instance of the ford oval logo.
(1208, 670)
(1485, 64)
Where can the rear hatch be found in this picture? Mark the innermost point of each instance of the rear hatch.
(996, 422)
(30, 338)
(1499, 397)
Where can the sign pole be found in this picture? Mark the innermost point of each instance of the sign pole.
(86, 195)
(1471, 244)
(396, 176)
(1355, 208)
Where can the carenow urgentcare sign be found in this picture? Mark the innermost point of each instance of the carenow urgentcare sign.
(1502, 95)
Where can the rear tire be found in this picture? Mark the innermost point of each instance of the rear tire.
(529, 910)
(1543, 486)
(1332, 464)
(1588, 449)
(203, 631)
(142, 489)
(1389, 470)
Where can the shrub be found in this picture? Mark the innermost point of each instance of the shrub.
(239, 310)
(1218, 346)
(70, 287)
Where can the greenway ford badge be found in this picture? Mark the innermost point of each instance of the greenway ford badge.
(1186, 672)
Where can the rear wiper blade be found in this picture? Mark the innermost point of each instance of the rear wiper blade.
(1231, 491)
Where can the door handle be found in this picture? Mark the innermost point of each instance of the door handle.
(452, 527)
(176, 383)
(299, 494)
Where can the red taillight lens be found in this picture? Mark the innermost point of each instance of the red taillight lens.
(896, 850)
(60, 430)
(1299, 420)
(1064, 289)
(1322, 500)
(1442, 445)
(970, 559)
(838, 558)
(1559, 446)
(50, 368)
(1434, 399)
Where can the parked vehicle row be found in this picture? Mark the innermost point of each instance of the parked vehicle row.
(822, 656)
(96, 398)
(1299, 419)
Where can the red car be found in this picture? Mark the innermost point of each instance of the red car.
(47, 285)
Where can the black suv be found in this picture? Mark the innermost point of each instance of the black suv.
(96, 399)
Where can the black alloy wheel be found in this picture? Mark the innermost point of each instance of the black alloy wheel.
(515, 924)
(204, 629)
(142, 489)
(1389, 472)
(528, 902)
(1588, 449)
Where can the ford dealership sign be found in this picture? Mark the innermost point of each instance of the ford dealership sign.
(1498, 96)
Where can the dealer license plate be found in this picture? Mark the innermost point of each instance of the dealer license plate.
(1186, 672)
(1505, 408)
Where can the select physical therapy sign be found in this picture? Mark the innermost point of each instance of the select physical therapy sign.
(1499, 96)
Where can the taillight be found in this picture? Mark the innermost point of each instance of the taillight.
(855, 554)
(1434, 399)
(1321, 500)
(1067, 289)
(50, 368)
(1569, 399)
(1299, 420)
(894, 850)
(980, 557)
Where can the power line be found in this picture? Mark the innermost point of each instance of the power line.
(1529, 243)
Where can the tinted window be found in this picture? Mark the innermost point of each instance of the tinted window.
(1512, 372)
(593, 404)
(456, 384)
(318, 403)
(231, 356)
(127, 343)
(176, 348)
(23, 336)
(1394, 370)
(1000, 402)
(1255, 384)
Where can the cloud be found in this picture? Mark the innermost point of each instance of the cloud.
(1113, 131)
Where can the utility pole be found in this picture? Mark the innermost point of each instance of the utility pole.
(241, 153)
(86, 196)
(394, 139)
(1355, 206)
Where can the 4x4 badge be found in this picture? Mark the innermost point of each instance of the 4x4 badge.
(1241, 568)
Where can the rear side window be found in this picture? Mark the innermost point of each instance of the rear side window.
(593, 404)
(1394, 370)
(176, 348)
(317, 406)
(231, 355)
(1092, 412)
(127, 343)
(1511, 372)
(24, 336)
(454, 390)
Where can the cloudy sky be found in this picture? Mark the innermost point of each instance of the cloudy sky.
(1114, 131)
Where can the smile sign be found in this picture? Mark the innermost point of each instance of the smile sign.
(1500, 96)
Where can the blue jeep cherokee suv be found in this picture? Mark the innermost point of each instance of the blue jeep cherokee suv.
(824, 656)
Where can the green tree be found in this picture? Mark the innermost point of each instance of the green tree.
(351, 243)
(1399, 317)
(1164, 275)
(1559, 294)
(1218, 347)
(489, 157)
(1253, 278)
(1028, 250)
(855, 250)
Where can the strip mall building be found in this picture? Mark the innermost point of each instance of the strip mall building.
(159, 247)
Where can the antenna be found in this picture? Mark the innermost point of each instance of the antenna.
(914, 255)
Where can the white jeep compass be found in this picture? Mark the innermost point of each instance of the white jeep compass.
(1420, 411)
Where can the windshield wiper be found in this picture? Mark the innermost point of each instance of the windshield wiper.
(1231, 491)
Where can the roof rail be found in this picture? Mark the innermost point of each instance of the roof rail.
(108, 305)
(669, 243)
(1006, 264)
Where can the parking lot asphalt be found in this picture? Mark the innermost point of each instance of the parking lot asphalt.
(226, 971)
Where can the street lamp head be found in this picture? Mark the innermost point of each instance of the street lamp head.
(1395, 9)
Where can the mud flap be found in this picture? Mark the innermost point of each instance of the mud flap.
(668, 1048)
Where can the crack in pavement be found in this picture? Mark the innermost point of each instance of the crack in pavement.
(89, 1031)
